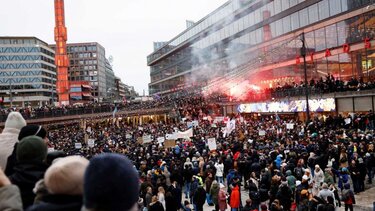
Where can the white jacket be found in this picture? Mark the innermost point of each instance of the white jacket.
(8, 138)
(219, 169)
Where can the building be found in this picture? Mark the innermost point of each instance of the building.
(27, 72)
(110, 82)
(259, 42)
(88, 63)
(120, 89)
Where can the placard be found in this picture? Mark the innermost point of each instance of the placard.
(91, 143)
(128, 136)
(169, 143)
(189, 124)
(348, 121)
(78, 145)
(195, 123)
(140, 128)
(290, 126)
(161, 140)
(262, 132)
(212, 144)
(50, 149)
(147, 139)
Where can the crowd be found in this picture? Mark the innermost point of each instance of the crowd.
(328, 85)
(280, 164)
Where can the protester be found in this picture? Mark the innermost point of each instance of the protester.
(9, 136)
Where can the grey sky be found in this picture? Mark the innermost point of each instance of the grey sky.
(126, 28)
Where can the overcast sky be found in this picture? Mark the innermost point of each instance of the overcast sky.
(126, 28)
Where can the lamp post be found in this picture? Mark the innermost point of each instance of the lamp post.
(303, 54)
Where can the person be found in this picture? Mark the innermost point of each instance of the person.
(148, 197)
(119, 191)
(325, 192)
(161, 196)
(219, 171)
(303, 204)
(284, 195)
(64, 183)
(248, 205)
(30, 168)
(318, 179)
(28, 130)
(348, 197)
(214, 192)
(9, 136)
(222, 198)
(10, 197)
(235, 198)
(199, 198)
(176, 193)
(156, 205)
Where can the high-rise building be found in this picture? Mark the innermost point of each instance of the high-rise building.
(27, 72)
(87, 63)
(260, 41)
(110, 82)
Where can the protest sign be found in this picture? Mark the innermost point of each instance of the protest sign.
(211, 143)
(78, 145)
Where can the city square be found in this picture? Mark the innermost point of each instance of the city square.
(263, 105)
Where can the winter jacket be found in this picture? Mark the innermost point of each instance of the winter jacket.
(58, 203)
(10, 198)
(214, 192)
(219, 169)
(199, 197)
(8, 138)
(25, 176)
(222, 200)
(235, 198)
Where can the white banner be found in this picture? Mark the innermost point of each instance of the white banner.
(186, 134)
(189, 124)
(170, 136)
(161, 140)
(212, 144)
(128, 136)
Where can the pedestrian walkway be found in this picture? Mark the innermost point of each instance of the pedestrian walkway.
(364, 200)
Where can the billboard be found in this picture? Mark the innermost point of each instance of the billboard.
(316, 105)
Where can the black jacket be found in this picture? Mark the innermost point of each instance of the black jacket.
(58, 203)
(25, 177)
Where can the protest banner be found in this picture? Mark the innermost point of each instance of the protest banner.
(91, 143)
(78, 145)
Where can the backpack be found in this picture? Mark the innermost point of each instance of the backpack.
(345, 195)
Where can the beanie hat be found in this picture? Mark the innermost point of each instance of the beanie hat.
(31, 148)
(263, 207)
(15, 120)
(289, 172)
(65, 175)
(110, 183)
(32, 130)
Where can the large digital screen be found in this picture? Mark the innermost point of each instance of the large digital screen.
(316, 105)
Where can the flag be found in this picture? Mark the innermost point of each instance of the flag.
(114, 112)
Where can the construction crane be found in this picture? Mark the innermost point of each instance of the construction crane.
(61, 55)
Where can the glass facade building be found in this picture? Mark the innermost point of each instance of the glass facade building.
(27, 72)
(260, 41)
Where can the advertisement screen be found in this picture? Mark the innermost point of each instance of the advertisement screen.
(316, 105)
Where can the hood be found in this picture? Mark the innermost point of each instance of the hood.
(15, 120)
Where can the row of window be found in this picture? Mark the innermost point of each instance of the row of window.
(81, 48)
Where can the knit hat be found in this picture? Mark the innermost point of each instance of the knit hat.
(15, 120)
(65, 176)
(289, 172)
(110, 183)
(32, 130)
(263, 207)
(31, 148)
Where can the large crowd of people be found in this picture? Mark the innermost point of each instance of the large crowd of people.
(113, 164)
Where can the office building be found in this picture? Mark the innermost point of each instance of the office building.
(259, 41)
(27, 72)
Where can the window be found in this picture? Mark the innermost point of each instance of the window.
(313, 13)
(320, 42)
(286, 24)
(335, 7)
(303, 17)
(277, 6)
(323, 9)
(331, 36)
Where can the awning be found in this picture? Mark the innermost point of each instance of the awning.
(87, 86)
(86, 94)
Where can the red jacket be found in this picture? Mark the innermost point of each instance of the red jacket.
(235, 199)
